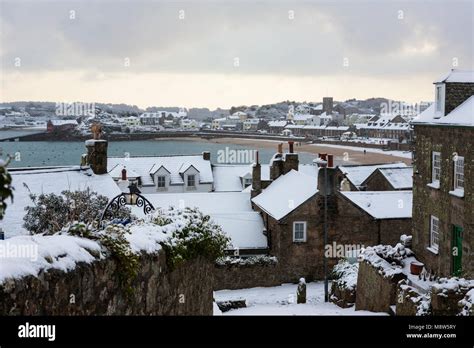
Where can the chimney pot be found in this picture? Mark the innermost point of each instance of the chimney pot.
(330, 161)
(290, 145)
(280, 148)
(124, 174)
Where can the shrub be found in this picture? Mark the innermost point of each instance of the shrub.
(50, 213)
(193, 235)
(6, 190)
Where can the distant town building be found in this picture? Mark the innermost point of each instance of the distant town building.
(60, 125)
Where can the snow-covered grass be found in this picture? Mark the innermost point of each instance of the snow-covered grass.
(281, 300)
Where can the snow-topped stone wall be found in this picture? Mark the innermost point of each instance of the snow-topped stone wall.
(94, 289)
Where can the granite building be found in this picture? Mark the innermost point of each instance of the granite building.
(443, 180)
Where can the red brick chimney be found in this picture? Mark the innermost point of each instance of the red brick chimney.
(290, 146)
(330, 161)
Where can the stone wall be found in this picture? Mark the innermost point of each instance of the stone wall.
(376, 292)
(449, 209)
(456, 94)
(241, 277)
(95, 289)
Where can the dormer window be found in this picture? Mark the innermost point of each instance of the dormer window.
(161, 181)
(191, 180)
(439, 95)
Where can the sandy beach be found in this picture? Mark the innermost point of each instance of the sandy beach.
(349, 155)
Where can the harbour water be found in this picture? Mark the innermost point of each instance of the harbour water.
(54, 153)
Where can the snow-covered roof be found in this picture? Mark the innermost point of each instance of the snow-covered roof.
(63, 122)
(145, 166)
(456, 75)
(116, 172)
(302, 117)
(357, 174)
(463, 115)
(227, 178)
(383, 204)
(277, 123)
(50, 181)
(231, 210)
(399, 178)
(286, 194)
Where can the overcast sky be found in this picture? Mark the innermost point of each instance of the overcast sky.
(230, 53)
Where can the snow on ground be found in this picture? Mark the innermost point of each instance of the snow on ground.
(395, 153)
(281, 300)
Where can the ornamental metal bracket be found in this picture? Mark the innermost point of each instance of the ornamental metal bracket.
(125, 199)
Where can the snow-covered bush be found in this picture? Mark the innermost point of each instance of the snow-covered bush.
(193, 235)
(344, 274)
(261, 260)
(467, 304)
(50, 213)
(6, 190)
(393, 255)
(114, 239)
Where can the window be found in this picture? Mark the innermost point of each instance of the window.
(434, 232)
(439, 95)
(299, 231)
(459, 173)
(161, 181)
(436, 167)
(438, 98)
(247, 182)
(191, 180)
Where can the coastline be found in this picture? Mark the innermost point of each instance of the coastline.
(353, 155)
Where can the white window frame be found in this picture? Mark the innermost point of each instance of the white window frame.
(434, 232)
(299, 240)
(459, 173)
(439, 100)
(158, 181)
(435, 180)
(188, 179)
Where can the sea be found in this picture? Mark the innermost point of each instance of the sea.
(57, 153)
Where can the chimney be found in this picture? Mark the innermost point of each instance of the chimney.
(256, 178)
(291, 160)
(290, 146)
(330, 181)
(280, 148)
(97, 155)
(206, 155)
(330, 161)
(124, 174)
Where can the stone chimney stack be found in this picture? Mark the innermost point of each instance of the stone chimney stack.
(97, 155)
(291, 160)
(276, 163)
(329, 188)
(256, 177)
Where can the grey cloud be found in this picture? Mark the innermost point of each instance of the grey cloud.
(259, 34)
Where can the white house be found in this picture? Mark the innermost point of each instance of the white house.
(165, 174)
